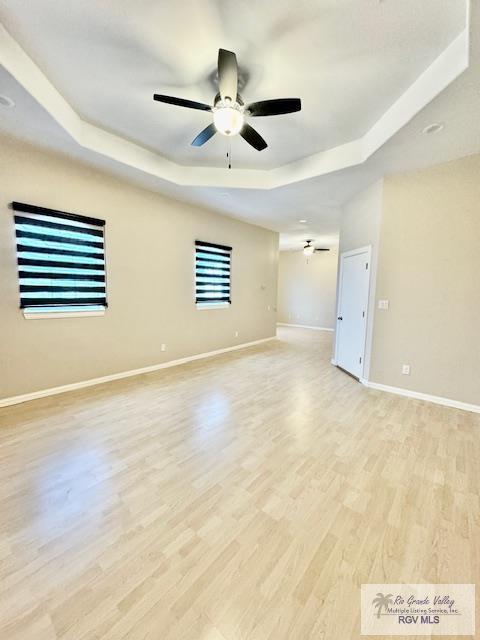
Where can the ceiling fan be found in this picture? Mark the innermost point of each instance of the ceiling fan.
(309, 250)
(229, 111)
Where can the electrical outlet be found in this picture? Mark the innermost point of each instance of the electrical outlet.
(163, 347)
(383, 304)
(268, 308)
(236, 334)
(406, 369)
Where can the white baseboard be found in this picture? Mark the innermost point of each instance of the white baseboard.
(303, 326)
(6, 402)
(446, 402)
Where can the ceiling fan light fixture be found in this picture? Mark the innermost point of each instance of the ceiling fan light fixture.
(308, 250)
(229, 110)
(228, 120)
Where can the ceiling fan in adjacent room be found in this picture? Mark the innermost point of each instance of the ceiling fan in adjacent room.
(309, 249)
(229, 111)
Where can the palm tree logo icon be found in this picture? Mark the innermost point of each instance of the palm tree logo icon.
(382, 602)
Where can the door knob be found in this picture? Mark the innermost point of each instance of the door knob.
(340, 318)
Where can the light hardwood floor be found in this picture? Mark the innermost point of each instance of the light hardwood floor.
(247, 496)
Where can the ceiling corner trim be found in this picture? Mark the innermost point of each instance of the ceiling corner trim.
(453, 61)
(14, 59)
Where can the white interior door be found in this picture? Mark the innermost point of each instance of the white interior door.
(352, 310)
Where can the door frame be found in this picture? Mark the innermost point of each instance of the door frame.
(347, 254)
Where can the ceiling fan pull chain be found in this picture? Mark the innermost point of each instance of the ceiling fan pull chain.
(229, 154)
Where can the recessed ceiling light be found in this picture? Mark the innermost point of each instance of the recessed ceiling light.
(302, 221)
(6, 102)
(435, 127)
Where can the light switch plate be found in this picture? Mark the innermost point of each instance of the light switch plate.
(383, 304)
(406, 369)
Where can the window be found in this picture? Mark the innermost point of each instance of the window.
(212, 273)
(61, 260)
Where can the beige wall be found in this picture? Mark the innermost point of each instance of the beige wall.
(306, 290)
(360, 227)
(429, 270)
(150, 271)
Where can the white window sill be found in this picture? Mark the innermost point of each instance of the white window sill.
(218, 305)
(43, 315)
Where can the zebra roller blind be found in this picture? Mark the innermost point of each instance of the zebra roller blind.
(212, 272)
(61, 259)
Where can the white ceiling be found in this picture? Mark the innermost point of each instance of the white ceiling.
(108, 58)
(349, 61)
